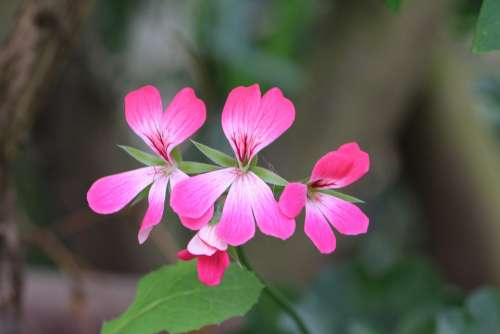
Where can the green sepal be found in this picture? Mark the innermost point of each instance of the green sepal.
(269, 176)
(340, 195)
(254, 161)
(193, 167)
(143, 157)
(218, 157)
(141, 195)
(277, 190)
(176, 154)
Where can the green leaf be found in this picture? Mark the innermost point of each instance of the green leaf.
(340, 195)
(220, 158)
(487, 36)
(143, 157)
(268, 176)
(193, 167)
(172, 299)
(480, 315)
(395, 5)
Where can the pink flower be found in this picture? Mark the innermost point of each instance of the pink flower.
(250, 122)
(210, 251)
(162, 131)
(334, 170)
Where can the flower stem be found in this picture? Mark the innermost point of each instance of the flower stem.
(274, 294)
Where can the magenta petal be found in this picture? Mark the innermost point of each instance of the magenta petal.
(317, 229)
(211, 268)
(346, 217)
(236, 225)
(183, 117)
(240, 104)
(292, 199)
(197, 223)
(112, 193)
(195, 196)
(177, 176)
(191, 223)
(155, 210)
(196, 246)
(184, 255)
(144, 113)
(251, 122)
(269, 218)
(162, 131)
(276, 115)
(209, 236)
(340, 168)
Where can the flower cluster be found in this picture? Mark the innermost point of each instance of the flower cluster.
(238, 186)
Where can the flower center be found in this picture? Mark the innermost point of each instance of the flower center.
(159, 141)
(312, 194)
(245, 147)
(163, 170)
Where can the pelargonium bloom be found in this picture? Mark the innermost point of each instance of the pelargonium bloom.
(334, 170)
(250, 122)
(210, 252)
(162, 132)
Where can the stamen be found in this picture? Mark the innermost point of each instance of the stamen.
(245, 147)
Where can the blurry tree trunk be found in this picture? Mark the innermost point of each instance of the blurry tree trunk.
(368, 68)
(457, 178)
(42, 35)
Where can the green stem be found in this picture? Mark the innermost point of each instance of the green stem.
(275, 294)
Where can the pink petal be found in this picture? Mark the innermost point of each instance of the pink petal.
(154, 213)
(177, 176)
(241, 102)
(251, 123)
(197, 223)
(292, 199)
(144, 114)
(112, 193)
(191, 223)
(184, 255)
(236, 225)
(195, 196)
(209, 236)
(340, 168)
(183, 117)
(199, 247)
(211, 268)
(346, 217)
(269, 218)
(317, 229)
(276, 115)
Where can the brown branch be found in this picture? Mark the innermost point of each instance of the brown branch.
(29, 61)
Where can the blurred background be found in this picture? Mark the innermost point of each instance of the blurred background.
(405, 85)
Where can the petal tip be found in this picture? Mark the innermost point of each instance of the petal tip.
(143, 235)
(184, 255)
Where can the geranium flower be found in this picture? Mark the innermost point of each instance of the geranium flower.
(250, 122)
(162, 131)
(210, 252)
(334, 170)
